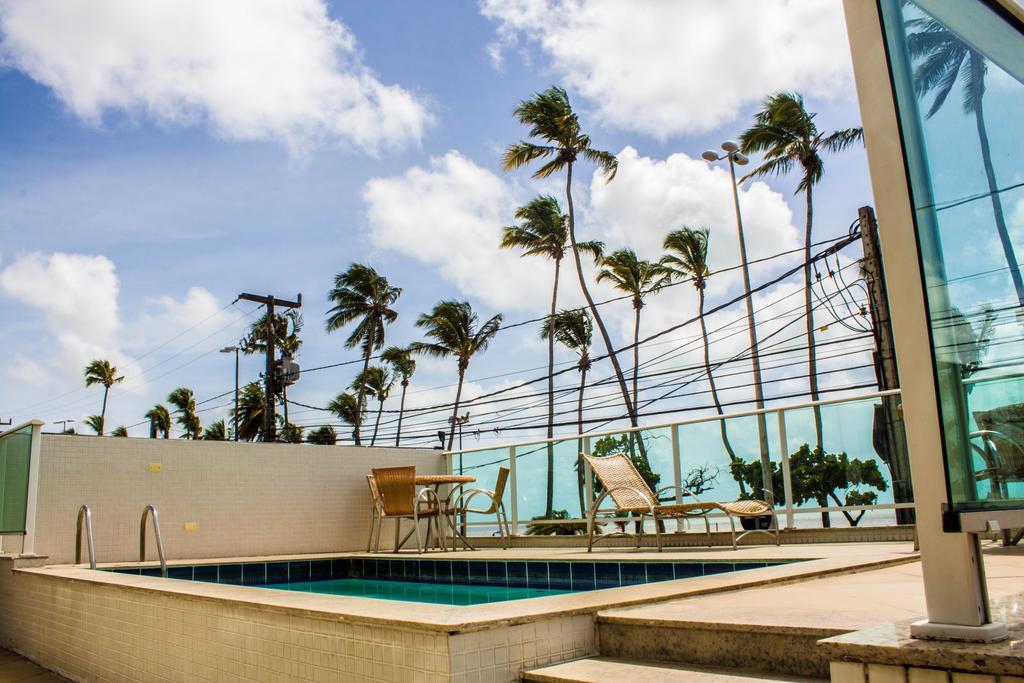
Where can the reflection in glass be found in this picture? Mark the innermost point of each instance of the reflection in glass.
(958, 70)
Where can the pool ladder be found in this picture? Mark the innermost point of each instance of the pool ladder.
(148, 511)
(85, 515)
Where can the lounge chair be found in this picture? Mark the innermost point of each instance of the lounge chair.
(395, 497)
(751, 508)
(458, 504)
(632, 496)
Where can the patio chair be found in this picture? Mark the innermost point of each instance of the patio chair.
(458, 504)
(751, 508)
(396, 499)
(632, 496)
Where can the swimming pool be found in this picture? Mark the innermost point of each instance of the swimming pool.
(446, 582)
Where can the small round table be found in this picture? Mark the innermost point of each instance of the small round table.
(436, 481)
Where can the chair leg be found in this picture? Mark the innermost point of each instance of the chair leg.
(398, 524)
(732, 529)
(657, 530)
(590, 530)
(373, 523)
(640, 531)
(707, 528)
(380, 525)
(775, 521)
(416, 527)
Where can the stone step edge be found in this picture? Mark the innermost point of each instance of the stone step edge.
(620, 619)
(610, 668)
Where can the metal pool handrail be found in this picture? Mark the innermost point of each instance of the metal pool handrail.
(149, 509)
(85, 514)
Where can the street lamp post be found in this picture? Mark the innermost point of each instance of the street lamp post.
(234, 420)
(735, 156)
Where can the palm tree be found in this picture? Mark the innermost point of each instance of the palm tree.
(552, 120)
(292, 433)
(120, 431)
(215, 432)
(251, 404)
(323, 436)
(159, 421)
(378, 382)
(102, 372)
(184, 401)
(688, 260)
(403, 365)
(543, 233)
(455, 331)
(945, 60)
(348, 409)
(636, 277)
(574, 330)
(362, 294)
(95, 423)
(786, 133)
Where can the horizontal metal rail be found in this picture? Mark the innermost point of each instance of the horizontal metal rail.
(680, 423)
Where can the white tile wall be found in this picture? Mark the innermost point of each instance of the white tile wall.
(245, 499)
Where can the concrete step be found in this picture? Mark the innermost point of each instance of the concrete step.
(605, 669)
(678, 638)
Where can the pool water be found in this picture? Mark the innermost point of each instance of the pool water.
(443, 581)
(409, 591)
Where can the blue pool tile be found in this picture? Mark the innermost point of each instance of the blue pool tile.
(397, 570)
(460, 571)
(411, 569)
(633, 573)
(341, 568)
(319, 570)
(497, 574)
(478, 573)
(750, 565)
(442, 571)
(659, 571)
(150, 571)
(277, 572)
(537, 574)
(130, 570)
(205, 572)
(718, 568)
(583, 577)
(298, 570)
(607, 574)
(355, 567)
(516, 572)
(384, 569)
(688, 570)
(254, 574)
(558, 575)
(426, 571)
(229, 573)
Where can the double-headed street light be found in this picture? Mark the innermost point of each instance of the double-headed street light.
(737, 158)
(235, 350)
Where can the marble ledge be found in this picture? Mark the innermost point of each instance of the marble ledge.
(891, 644)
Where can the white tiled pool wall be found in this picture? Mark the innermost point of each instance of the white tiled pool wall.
(102, 632)
(215, 499)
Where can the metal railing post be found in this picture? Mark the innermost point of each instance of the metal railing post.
(588, 474)
(677, 463)
(514, 489)
(146, 512)
(787, 478)
(84, 515)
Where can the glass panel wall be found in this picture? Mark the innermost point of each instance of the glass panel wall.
(958, 72)
(15, 450)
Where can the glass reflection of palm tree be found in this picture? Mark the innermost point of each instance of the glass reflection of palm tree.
(945, 60)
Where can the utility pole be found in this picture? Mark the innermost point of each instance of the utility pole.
(887, 432)
(235, 350)
(270, 384)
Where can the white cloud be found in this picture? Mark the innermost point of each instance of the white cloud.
(449, 216)
(77, 295)
(251, 69)
(662, 68)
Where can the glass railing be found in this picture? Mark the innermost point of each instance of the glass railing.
(15, 475)
(846, 481)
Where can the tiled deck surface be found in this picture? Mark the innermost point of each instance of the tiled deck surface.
(842, 603)
(604, 669)
(14, 669)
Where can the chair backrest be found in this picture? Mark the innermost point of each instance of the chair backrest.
(618, 475)
(397, 489)
(499, 490)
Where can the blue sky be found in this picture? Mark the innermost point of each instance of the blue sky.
(135, 204)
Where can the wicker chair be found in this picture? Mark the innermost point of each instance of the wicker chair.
(632, 496)
(396, 499)
(458, 504)
(751, 508)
